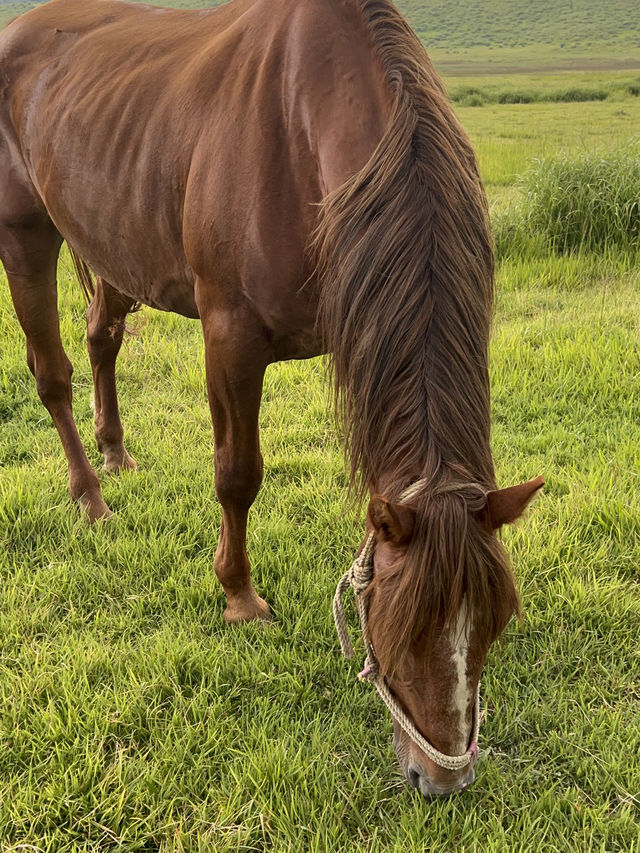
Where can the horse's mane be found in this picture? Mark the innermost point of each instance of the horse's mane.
(406, 265)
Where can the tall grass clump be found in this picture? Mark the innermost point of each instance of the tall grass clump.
(570, 203)
(476, 96)
(575, 94)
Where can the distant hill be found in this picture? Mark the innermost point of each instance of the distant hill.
(533, 33)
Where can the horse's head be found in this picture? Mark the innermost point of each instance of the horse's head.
(442, 592)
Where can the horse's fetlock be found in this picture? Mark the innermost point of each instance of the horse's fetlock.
(108, 436)
(86, 486)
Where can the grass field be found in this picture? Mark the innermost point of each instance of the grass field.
(132, 719)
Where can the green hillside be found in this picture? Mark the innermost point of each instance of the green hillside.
(519, 33)
(549, 32)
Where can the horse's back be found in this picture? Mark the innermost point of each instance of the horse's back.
(159, 140)
(99, 101)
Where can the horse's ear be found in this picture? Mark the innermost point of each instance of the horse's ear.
(506, 505)
(392, 522)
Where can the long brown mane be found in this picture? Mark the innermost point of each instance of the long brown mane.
(406, 265)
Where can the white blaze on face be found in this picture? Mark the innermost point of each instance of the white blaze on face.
(460, 694)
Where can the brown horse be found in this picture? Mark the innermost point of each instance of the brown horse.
(291, 174)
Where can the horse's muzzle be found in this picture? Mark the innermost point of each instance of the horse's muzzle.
(418, 778)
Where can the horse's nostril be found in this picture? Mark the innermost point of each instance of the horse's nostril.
(413, 777)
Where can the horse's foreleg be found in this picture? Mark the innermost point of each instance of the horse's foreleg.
(30, 254)
(105, 328)
(236, 359)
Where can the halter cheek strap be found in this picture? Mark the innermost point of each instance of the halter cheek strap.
(358, 577)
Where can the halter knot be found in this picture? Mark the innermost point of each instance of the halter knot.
(369, 673)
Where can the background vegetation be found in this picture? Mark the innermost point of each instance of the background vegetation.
(545, 87)
(576, 203)
(132, 719)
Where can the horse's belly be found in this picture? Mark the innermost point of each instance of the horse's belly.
(150, 284)
(176, 296)
(166, 295)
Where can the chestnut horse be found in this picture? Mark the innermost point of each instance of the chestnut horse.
(290, 173)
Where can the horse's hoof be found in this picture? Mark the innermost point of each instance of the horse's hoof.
(118, 460)
(95, 508)
(246, 609)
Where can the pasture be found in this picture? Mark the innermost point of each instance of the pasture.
(132, 719)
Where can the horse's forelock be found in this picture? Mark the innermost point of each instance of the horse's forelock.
(453, 559)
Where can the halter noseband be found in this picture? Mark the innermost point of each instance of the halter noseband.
(358, 577)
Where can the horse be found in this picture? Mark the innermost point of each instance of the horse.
(292, 175)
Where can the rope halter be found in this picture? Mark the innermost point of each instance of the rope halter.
(358, 577)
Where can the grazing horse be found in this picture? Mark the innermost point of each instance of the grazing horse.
(290, 173)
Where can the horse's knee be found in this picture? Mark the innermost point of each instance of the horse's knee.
(54, 388)
(238, 481)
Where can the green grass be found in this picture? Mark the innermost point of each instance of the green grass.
(576, 204)
(508, 138)
(130, 716)
(132, 719)
(568, 87)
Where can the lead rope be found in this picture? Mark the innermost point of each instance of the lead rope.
(358, 577)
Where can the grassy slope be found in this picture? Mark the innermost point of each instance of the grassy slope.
(130, 718)
(514, 33)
